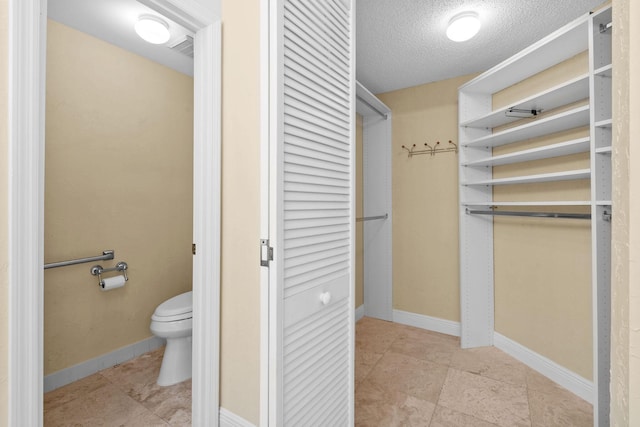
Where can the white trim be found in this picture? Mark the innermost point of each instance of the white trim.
(206, 226)
(27, 38)
(434, 324)
(550, 369)
(229, 419)
(27, 50)
(104, 361)
(264, 210)
(359, 313)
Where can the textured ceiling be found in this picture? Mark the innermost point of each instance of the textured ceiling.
(402, 43)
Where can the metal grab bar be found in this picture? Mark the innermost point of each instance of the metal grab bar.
(370, 218)
(106, 255)
(532, 214)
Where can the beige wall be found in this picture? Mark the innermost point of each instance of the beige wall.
(359, 300)
(625, 284)
(425, 200)
(542, 267)
(119, 150)
(240, 358)
(4, 229)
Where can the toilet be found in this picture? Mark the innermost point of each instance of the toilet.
(172, 320)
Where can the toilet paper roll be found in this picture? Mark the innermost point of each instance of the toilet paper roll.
(112, 283)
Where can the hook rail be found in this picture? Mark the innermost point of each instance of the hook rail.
(431, 150)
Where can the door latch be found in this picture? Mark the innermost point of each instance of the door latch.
(266, 253)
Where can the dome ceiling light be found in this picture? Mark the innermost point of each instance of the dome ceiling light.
(463, 26)
(152, 29)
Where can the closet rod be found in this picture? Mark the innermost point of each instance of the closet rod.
(370, 218)
(532, 214)
(373, 107)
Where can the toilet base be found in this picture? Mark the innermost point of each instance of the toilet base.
(176, 363)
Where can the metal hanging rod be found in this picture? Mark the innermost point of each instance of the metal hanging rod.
(373, 107)
(371, 218)
(106, 255)
(431, 150)
(532, 214)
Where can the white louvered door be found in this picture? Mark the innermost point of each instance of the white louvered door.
(312, 92)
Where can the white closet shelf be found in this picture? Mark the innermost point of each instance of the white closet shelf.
(551, 50)
(528, 179)
(576, 117)
(566, 93)
(542, 203)
(603, 150)
(554, 150)
(607, 123)
(606, 71)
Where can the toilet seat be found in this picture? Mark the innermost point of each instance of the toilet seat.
(174, 309)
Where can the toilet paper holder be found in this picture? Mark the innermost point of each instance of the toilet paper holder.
(97, 270)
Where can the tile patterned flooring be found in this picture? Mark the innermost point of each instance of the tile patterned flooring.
(125, 395)
(410, 377)
(404, 376)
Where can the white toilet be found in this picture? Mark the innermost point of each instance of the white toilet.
(173, 320)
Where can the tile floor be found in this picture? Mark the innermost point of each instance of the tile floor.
(404, 376)
(125, 395)
(411, 377)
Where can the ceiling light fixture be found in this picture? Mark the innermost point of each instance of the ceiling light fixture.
(152, 29)
(463, 26)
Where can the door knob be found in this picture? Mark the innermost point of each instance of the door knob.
(325, 297)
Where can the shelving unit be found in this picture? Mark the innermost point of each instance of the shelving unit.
(579, 102)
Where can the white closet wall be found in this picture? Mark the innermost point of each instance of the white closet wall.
(377, 215)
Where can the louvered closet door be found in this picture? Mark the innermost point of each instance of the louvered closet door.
(314, 221)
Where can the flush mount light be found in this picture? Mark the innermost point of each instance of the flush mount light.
(463, 26)
(152, 29)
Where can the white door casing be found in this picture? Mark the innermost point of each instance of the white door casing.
(311, 115)
(27, 59)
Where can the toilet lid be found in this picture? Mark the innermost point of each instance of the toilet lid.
(180, 304)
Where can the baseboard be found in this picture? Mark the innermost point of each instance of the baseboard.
(435, 324)
(229, 419)
(359, 312)
(559, 374)
(91, 366)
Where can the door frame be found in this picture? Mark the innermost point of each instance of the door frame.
(26, 123)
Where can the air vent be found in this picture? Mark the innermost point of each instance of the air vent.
(184, 46)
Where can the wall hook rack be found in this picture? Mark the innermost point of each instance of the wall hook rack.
(431, 150)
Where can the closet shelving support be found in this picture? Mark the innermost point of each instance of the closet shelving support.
(582, 101)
